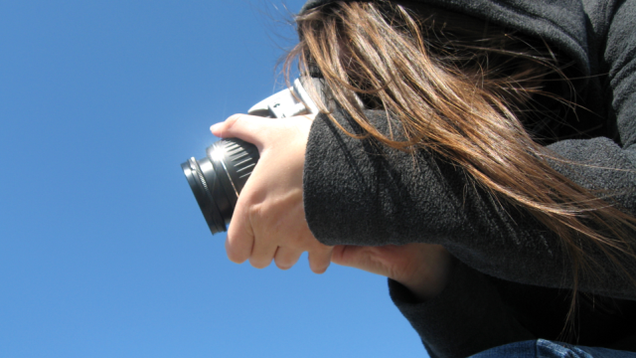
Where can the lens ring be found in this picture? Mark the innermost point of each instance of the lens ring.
(203, 195)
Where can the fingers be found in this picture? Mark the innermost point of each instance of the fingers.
(238, 250)
(242, 126)
(261, 130)
(249, 237)
(319, 259)
(240, 237)
(264, 249)
(286, 258)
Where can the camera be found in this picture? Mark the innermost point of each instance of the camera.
(217, 180)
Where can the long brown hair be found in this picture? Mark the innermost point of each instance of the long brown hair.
(464, 93)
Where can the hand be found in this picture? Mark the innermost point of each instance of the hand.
(422, 268)
(269, 217)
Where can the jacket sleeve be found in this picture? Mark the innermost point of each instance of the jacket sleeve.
(360, 193)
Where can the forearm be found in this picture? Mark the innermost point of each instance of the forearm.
(358, 192)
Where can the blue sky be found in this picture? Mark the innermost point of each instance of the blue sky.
(103, 250)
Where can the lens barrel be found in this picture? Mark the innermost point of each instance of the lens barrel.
(217, 179)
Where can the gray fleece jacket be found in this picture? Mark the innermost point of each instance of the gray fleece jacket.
(511, 279)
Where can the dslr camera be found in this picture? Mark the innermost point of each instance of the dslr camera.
(217, 180)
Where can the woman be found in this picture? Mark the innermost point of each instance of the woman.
(476, 152)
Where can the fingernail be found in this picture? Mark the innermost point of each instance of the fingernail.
(215, 127)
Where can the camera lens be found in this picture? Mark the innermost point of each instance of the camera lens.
(217, 179)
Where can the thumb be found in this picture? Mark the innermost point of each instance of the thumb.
(242, 126)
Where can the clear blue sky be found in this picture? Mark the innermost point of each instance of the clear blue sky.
(103, 250)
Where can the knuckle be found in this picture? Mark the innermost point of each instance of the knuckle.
(319, 261)
(236, 256)
(259, 264)
(283, 266)
(229, 125)
(236, 253)
(233, 119)
(320, 269)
